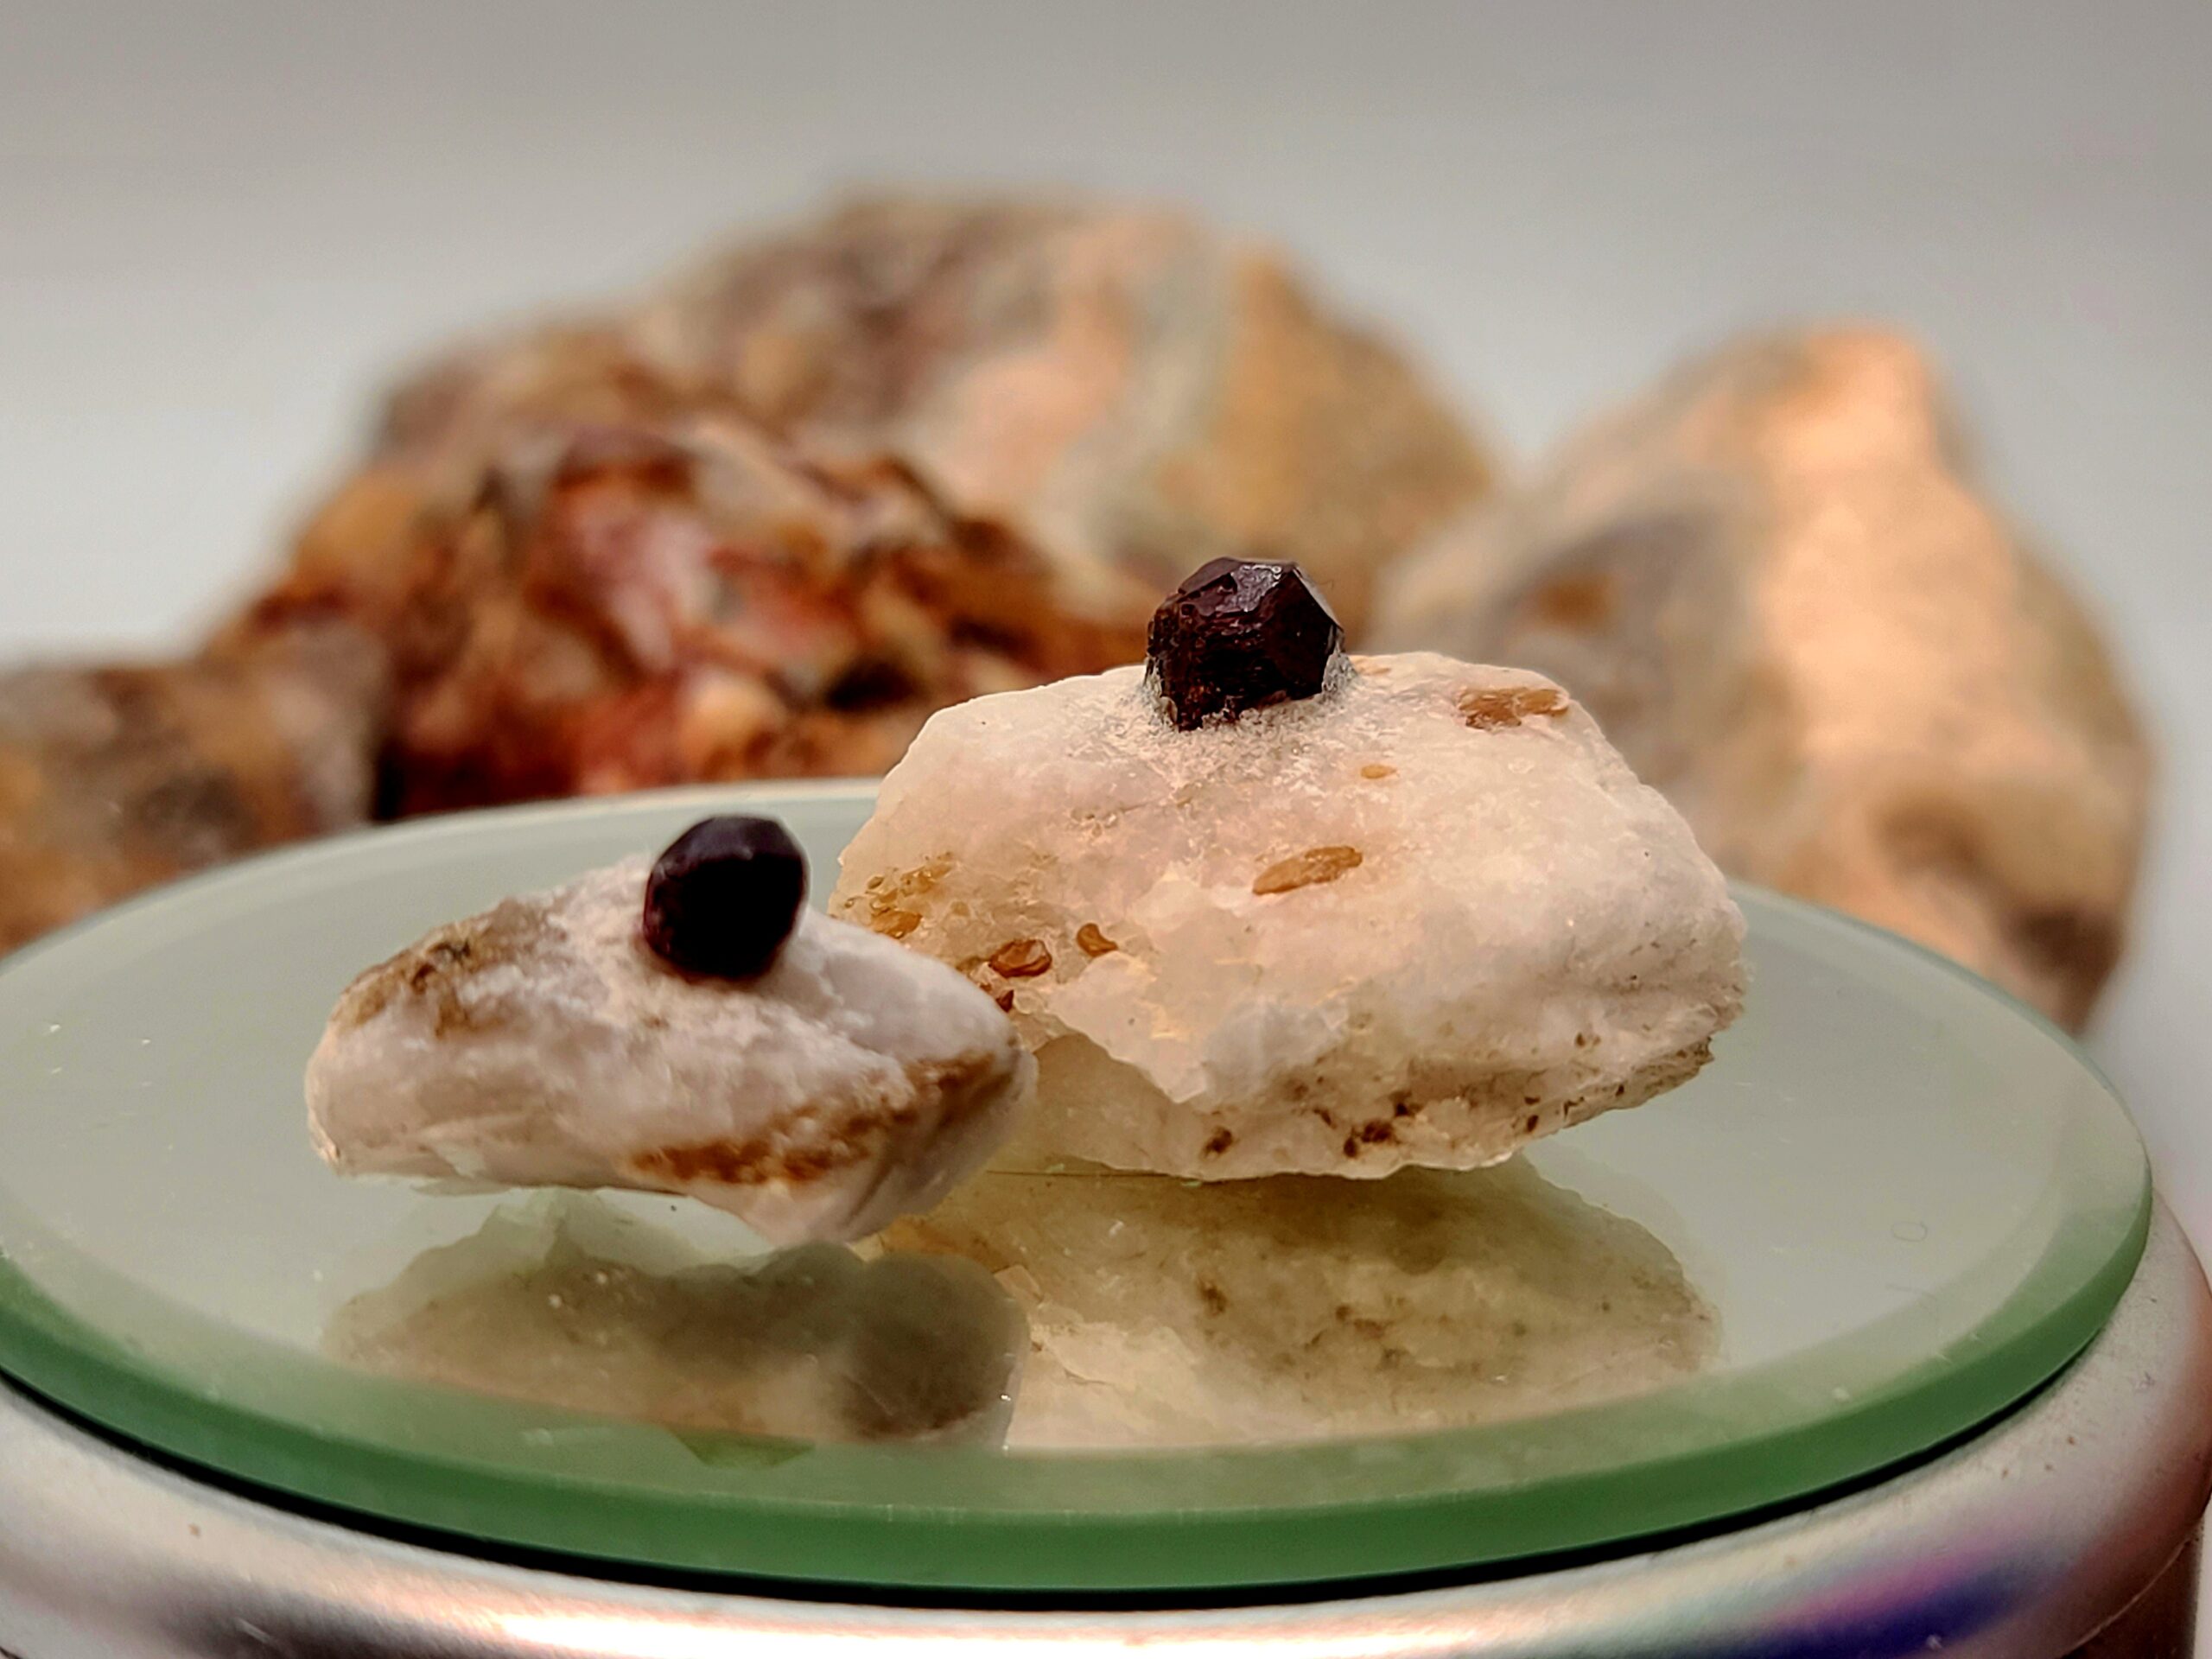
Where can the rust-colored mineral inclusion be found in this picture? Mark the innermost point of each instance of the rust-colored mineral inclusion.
(1239, 634)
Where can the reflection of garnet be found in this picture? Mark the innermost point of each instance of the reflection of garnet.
(725, 896)
(1239, 634)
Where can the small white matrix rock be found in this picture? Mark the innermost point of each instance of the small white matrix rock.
(541, 1044)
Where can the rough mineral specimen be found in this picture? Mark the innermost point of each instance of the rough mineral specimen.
(1238, 635)
(1421, 918)
(725, 896)
(113, 779)
(541, 1043)
(764, 521)
(1775, 583)
(1162, 1313)
(559, 1303)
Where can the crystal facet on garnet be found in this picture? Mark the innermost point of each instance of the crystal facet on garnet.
(724, 897)
(1239, 634)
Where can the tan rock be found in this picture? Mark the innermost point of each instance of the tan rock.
(1776, 582)
(115, 778)
(1125, 388)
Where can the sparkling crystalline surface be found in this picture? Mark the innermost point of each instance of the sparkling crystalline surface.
(1240, 634)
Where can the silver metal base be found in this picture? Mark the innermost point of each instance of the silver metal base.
(2077, 1515)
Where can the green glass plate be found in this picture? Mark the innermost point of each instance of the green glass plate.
(1908, 1200)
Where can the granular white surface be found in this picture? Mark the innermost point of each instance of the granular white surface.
(541, 1044)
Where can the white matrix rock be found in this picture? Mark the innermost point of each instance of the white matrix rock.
(1421, 918)
(541, 1044)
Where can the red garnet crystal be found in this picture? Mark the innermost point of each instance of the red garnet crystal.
(724, 897)
(1239, 634)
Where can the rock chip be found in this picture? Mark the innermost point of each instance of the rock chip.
(1777, 585)
(1421, 918)
(541, 1044)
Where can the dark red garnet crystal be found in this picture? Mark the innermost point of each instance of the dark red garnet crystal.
(1239, 634)
(724, 897)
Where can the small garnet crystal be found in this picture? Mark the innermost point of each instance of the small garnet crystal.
(1239, 634)
(724, 897)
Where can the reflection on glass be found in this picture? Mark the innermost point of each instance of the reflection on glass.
(560, 1300)
(1159, 1312)
(1165, 1312)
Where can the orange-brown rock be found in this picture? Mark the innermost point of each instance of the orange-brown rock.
(593, 608)
(1778, 584)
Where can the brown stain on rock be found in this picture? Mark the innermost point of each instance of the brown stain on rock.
(890, 899)
(1093, 942)
(806, 1149)
(438, 967)
(1021, 959)
(1494, 709)
(1309, 868)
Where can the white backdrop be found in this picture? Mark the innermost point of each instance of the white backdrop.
(220, 227)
